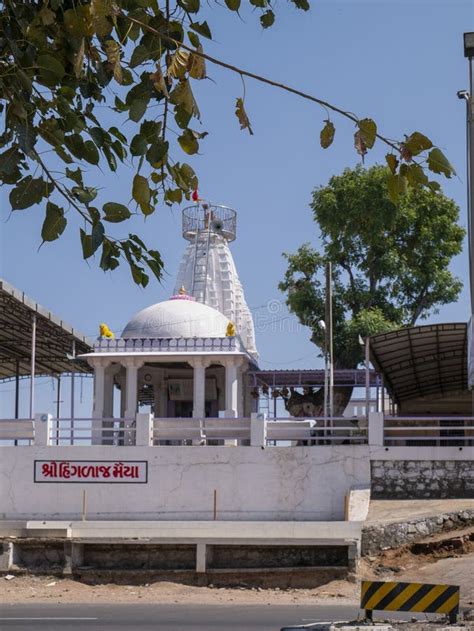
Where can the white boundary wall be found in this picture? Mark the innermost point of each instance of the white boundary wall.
(251, 483)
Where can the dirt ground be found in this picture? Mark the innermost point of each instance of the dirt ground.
(447, 558)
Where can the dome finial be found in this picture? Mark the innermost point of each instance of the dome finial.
(182, 291)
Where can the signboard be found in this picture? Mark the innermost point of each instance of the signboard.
(92, 471)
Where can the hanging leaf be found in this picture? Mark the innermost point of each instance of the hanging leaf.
(100, 11)
(85, 194)
(112, 50)
(90, 152)
(28, 192)
(86, 243)
(115, 213)
(368, 132)
(267, 19)
(54, 223)
(242, 115)
(157, 152)
(137, 110)
(327, 134)
(178, 64)
(190, 6)
(97, 236)
(139, 55)
(396, 185)
(416, 143)
(188, 142)
(201, 28)
(183, 95)
(416, 175)
(359, 144)
(197, 65)
(141, 194)
(233, 5)
(158, 81)
(438, 163)
(392, 162)
(79, 59)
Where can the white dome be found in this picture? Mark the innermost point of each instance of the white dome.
(176, 318)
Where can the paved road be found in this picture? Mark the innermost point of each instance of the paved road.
(170, 617)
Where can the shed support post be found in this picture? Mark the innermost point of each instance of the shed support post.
(33, 365)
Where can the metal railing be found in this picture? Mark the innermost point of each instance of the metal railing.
(169, 345)
(204, 431)
(320, 431)
(426, 431)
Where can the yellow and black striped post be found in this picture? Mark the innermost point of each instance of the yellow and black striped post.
(419, 597)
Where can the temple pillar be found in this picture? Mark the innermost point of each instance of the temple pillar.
(131, 386)
(199, 365)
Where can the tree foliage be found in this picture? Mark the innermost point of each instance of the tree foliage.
(70, 69)
(390, 262)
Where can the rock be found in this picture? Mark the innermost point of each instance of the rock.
(9, 577)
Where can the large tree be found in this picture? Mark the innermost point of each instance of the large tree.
(390, 264)
(73, 72)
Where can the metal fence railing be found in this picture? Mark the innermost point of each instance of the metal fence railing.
(428, 431)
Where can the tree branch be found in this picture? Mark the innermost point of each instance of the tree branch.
(256, 77)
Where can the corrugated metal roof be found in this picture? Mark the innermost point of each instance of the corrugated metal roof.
(54, 337)
(422, 360)
(309, 377)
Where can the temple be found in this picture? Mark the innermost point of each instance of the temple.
(187, 356)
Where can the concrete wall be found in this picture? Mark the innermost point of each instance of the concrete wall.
(275, 483)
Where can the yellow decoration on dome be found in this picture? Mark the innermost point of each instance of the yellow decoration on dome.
(230, 331)
(104, 331)
(182, 291)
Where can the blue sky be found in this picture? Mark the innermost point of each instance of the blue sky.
(399, 62)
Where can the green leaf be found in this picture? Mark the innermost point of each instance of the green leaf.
(233, 5)
(261, 4)
(110, 254)
(416, 175)
(301, 4)
(28, 192)
(174, 196)
(392, 162)
(90, 152)
(190, 6)
(139, 55)
(50, 70)
(118, 134)
(327, 134)
(54, 223)
(97, 236)
(75, 176)
(141, 194)
(98, 135)
(157, 152)
(201, 28)
(368, 131)
(242, 115)
(85, 194)
(267, 19)
(182, 116)
(137, 110)
(188, 142)
(438, 163)
(86, 242)
(138, 146)
(416, 143)
(112, 162)
(194, 39)
(115, 213)
(397, 185)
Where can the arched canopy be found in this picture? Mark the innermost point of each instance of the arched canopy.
(421, 361)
